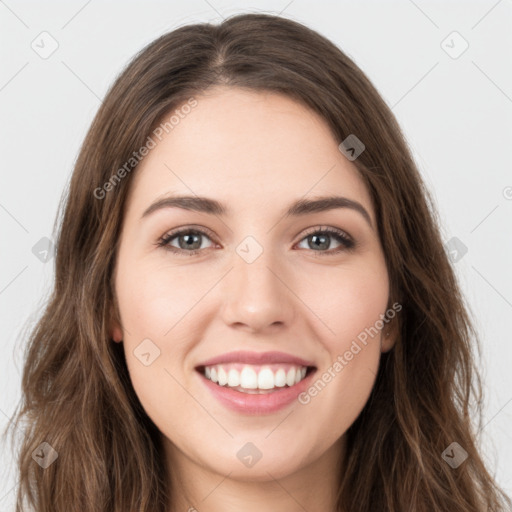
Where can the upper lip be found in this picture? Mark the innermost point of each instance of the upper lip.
(241, 356)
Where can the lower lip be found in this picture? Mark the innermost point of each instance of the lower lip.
(247, 403)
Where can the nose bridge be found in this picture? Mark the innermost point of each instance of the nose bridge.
(255, 294)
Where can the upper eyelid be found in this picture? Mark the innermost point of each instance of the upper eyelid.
(185, 229)
(330, 229)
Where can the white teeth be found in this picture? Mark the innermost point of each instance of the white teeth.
(290, 377)
(248, 378)
(222, 376)
(265, 379)
(233, 378)
(280, 378)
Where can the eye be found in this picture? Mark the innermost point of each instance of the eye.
(189, 240)
(320, 238)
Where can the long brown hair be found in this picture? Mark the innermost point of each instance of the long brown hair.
(77, 394)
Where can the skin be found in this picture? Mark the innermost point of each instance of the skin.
(256, 153)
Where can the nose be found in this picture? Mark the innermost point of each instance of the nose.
(257, 296)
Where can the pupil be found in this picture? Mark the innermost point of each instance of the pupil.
(324, 244)
(190, 240)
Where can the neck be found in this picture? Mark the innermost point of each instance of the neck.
(201, 488)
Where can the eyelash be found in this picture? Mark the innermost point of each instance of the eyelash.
(347, 243)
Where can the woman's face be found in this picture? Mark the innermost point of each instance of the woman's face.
(251, 287)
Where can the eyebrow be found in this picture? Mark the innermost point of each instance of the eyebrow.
(296, 209)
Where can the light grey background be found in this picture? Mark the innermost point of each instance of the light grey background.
(455, 110)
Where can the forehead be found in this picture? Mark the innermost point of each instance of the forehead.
(252, 148)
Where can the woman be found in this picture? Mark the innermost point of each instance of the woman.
(253, 308)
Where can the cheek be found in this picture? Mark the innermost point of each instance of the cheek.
(154, 297)
(153, 303)
(348, 300)
(351, 307)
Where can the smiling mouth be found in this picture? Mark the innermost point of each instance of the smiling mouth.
(256, 379)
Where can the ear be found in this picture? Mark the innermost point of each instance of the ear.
(115, 329)
(116, 332)
(388, 336)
